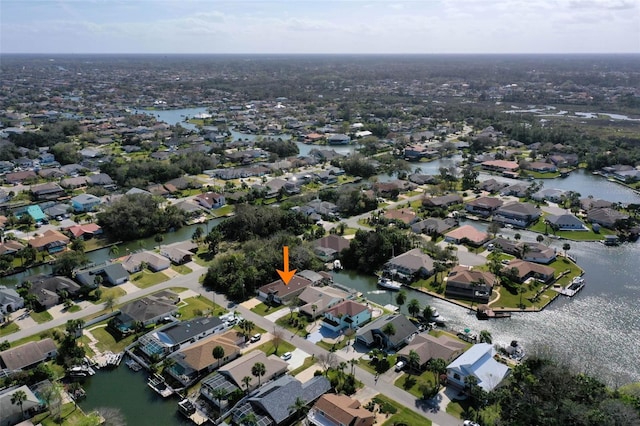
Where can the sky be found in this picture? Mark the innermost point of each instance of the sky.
(319, 26)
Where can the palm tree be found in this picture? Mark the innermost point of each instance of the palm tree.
(18, 398)
(219, 394)
(246, 380)
(249, 420)
(437, 366)
(413, 307)
(114, 250)
(389, 329)
(110, 302)
(314, 308)
(218, 353)
(566, 247)
(258, 370)
(413, 361)
(401, 298)
(353, 362)
(298, 408)
(427, 313)
(485, 337)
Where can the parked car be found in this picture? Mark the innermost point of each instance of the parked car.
(399, 365)
(255, 338)
(286, 356)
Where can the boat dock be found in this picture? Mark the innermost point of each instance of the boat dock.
(108, 359)
(485, 313)
(191, 411)
(573, 288)
(133, 365)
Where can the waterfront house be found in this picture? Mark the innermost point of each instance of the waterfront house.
(373, 334)
(518, 214)
(465, 283)
(51, 241)
(14, 414)
(153, 261)
(10, 301)
(410, 265)
(85, 231)
(316, 300)
(466, 234)
(522, 271)
(433, 226)
(339, 410)
(483, 206)
(229, 377)
(180, 252)
(28, 355)
(606, 217)
(478, 361)
(549, 194)
(526, 250)
(500, 165)
(515, 190)
(210, 200)
(338, 139)
(594, 203)
(329, 247)
(541, 167)
(10, 247)
(146, 310)
(172, 337)
(429, 347)
(441, 201)
(196, 360)
(85, 202)
(346, 314)
(270, 404)
(492, 186)
(281, 293)
(566, 222)
(110, 273)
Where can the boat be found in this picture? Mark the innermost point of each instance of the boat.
(573, 288)
(337, 266)
(389, 284)
(437, 318)
(81, 371)
(158, 384)
(133, 365)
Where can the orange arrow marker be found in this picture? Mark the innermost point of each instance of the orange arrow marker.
(286, 275)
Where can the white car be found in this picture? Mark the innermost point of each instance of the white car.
(286, 356)
(255, 338)
(399, 365)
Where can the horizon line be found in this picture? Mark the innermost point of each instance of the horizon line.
(326, 53)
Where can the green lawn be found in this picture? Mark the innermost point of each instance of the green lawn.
(198, 306)
(84, 340)
(181, 269)
(8, 328)
(145, 279)
(74, 308)
(268, 348)
(402, 414)
(456, 408)
(371, 367)
(203, 257)
(589, 235)
(115, 292)
(425, 377)
(263, 309)
(41, 317)
(178, 289)
(106, 341)
(223, 211)
(297, 326)
(71, 416)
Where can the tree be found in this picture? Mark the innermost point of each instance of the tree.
(437, 366)
(74, 328)
(158, 238)
(413, 360)
(413, 307)
(277, 339)
(246, 380)
(517, 236)
(314, 308)
(18, 398)
(197, 234)
(77, 244)
(68, 261)
(247, 327)
(258, 370)
(427, 313)
(485, 337)
(110, 302)
(401, 298)
(218, 353)
(327, 360)
(299, 408)
(566, 247)
(219, 394)
(540, 238)
(493, 229)
(389, 329)
(249, 420)
(114, 250)
(213, 239)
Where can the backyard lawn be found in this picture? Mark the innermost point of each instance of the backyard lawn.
(106, 341)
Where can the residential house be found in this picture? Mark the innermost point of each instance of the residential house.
(100, 179)
(433, 226)
(15, 178)
(48, 290)
(523, 270)
(406, 216)
(14, 414)
(110, 273)
(526, 250)
(85, 231)
(478, 362)
(281, 293)
(11, 247)
(338, 139)
(57, 211)
(483, 206)
(180, 252)
(466, 234)
(516, 190)
(230, 377)
(373, 334)
(36, 213)
(465, 283)
(346, 314)
(566, 222)
(492, 186)
(410, 265)
(270, 404)
(146, 310)
(10, 300)
(190, 208)
(315, 300)
(28, 355)
(85, 202)
(542, 167)
(549, 194)
(594, 203)
(429, 347)
(47, 191)
(500, 165)
(51, 241)
(194, 361)
(417, 151)
(134, 262)
(518, 214)
(606, 217)
(322, 208)
(329, 247)
(74, 182)
(442, 201)
(210, 200)
(339, 410)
